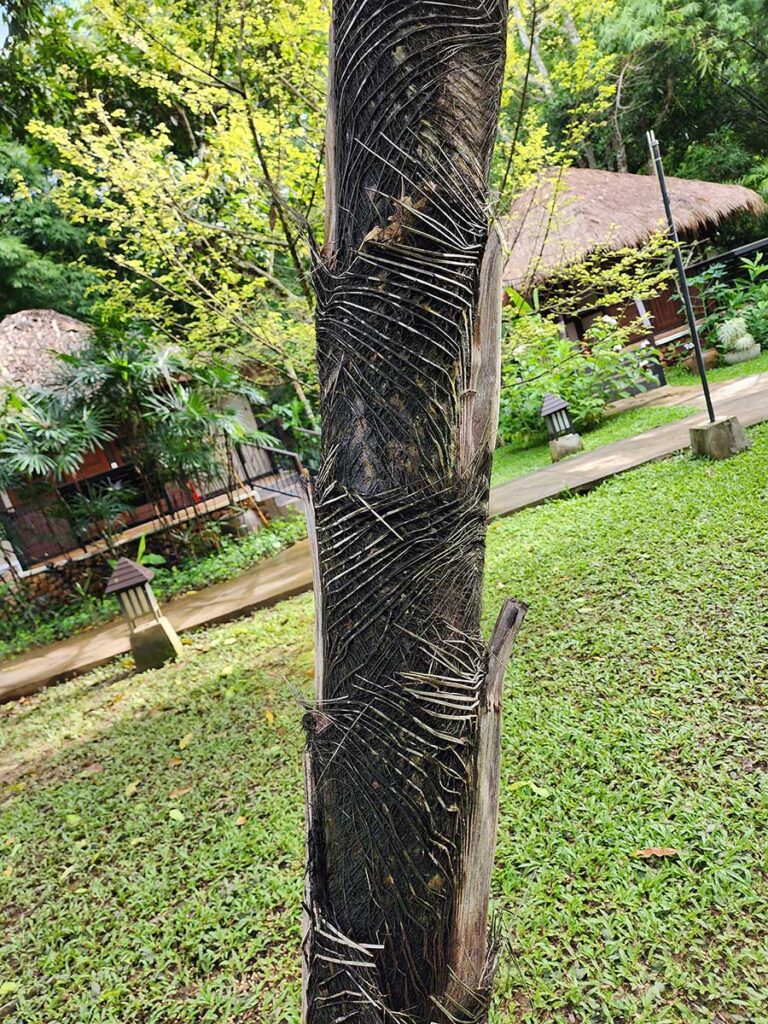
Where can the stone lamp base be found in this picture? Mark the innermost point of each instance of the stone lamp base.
(154, 643)
(719, 440)
(569, 444)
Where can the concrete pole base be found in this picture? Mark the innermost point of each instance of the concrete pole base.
(719, 440)
(569, 444)
(154, 644)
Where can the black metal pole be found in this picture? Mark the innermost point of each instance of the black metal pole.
(653, 145)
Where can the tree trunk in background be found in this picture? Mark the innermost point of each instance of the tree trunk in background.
(402, 745)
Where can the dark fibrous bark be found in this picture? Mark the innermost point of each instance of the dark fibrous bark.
(407, 336)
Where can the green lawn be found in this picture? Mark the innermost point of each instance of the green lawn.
(513, 460)
(150, 859)
(678, 375)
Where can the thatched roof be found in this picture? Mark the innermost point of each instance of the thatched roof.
(573, 211)
(29, 341)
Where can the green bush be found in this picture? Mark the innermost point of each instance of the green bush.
(745, 298)
(536, 359)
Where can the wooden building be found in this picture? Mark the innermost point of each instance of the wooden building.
(570, 213)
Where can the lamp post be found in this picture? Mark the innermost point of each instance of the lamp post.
(154, 641)
(563, 439)
(719, 438)
(682, 279)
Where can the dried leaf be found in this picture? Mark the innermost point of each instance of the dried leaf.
(529, 784)
(174, 762)
(185, 741)
(181, 791)
(8, 871)
(241, 820)
(656, 851)
(269, 715)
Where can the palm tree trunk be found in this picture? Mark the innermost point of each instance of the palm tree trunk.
(402, 742)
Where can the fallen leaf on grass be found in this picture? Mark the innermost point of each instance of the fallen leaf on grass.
(530, 784)
(131, 788)
(241, 820)
(181, 791)
(185, 741)
(92, 769)
(269, 715)
(8, 871)
(174, 762)
(176, 814)
(656, 851)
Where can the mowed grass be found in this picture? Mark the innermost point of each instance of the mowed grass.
(513, 460)
(150, 865)
(679, 375)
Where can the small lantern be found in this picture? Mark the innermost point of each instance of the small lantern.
(153, 639)
(129, 583)
(556, 416)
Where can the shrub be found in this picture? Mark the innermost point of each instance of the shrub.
(537, 359)
(745, 298)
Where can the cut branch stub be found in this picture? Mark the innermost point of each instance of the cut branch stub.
(471, 960)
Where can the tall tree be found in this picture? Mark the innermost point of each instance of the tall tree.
(402, 743)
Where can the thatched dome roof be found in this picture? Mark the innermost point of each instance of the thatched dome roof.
(29, 341)
(572, 211)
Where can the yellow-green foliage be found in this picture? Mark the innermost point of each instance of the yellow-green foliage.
(560, 63)
(200, 242)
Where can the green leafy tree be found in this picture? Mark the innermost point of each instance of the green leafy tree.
(174, 417)
(44, 435)
(201, 219)
(39, 247)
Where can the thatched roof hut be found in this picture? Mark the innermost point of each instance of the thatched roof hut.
(573, 211)
(29, 341)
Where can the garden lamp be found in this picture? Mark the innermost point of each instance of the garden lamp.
(556, 416)
(129, 583)
(153, 639)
